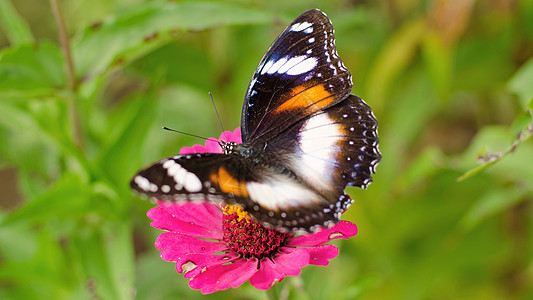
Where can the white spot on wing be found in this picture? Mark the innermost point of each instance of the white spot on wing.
(291, 63)
(143, 183)
(266, 67)
(182, 177)
(275, 67)
(302, 26)
(192, 183)
(281, 194)
(318, 143)
(303, 67)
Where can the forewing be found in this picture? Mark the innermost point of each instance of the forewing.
(301, 73)
(191, 177)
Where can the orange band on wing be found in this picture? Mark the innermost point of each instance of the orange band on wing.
(228, 184)
(314, 98)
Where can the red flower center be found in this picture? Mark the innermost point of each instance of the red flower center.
(249, 238)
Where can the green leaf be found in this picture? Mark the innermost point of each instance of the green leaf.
(68, 197)
(136, 32)
(393, 59)
(439, 60)
(16, 28)
(417, 101)
(48, 272)
(491, 203)
(31, 71)
(106, 257)
(423, 166)
(116, 158)
(18, 242)
(181, 62)
(522, 84)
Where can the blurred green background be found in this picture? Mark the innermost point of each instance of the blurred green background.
(449, 215)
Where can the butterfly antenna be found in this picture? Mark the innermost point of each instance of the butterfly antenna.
(218, 116)
(189, 134)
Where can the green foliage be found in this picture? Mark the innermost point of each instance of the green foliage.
(448, 215)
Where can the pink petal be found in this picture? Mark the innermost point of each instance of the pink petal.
(224, 276)
(236, 136)
(320, 255)
(195, 219)
(266, 275)
(199, 149)
(343, 229)
(202, 214)
(193, 264)
(226, 136)
(174, 245)
(291, 260)
(212, 146)
(186, 150)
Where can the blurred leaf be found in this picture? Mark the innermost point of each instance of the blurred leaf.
(31, 71)
(146, 27)
(522, 84)
(153, 273)
(179, 62)
(439, 59)
(482, 62)
(17, 242)
(121, 260)
(106, 256)
(429, 161)
(68, 197)
(392, 60)
(27, 146)
(412, 109)
(52, 116)
(16, 28)
(49, 260)
(493, 202)
(116, 158)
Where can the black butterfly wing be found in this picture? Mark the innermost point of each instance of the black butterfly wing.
(183, 178)
(274, 199)
(301, 73)
(298, 108)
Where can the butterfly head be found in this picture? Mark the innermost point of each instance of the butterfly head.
(227, 147)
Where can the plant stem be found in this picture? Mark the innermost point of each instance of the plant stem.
(63, 39)
(71, 74)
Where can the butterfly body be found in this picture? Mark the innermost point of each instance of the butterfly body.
(305, 138)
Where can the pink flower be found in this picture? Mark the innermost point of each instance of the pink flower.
(221, 247)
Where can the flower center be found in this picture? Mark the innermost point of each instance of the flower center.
(247, 237)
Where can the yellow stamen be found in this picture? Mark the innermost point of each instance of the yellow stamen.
(235, 209)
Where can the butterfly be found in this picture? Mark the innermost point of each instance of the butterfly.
(305, 139)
